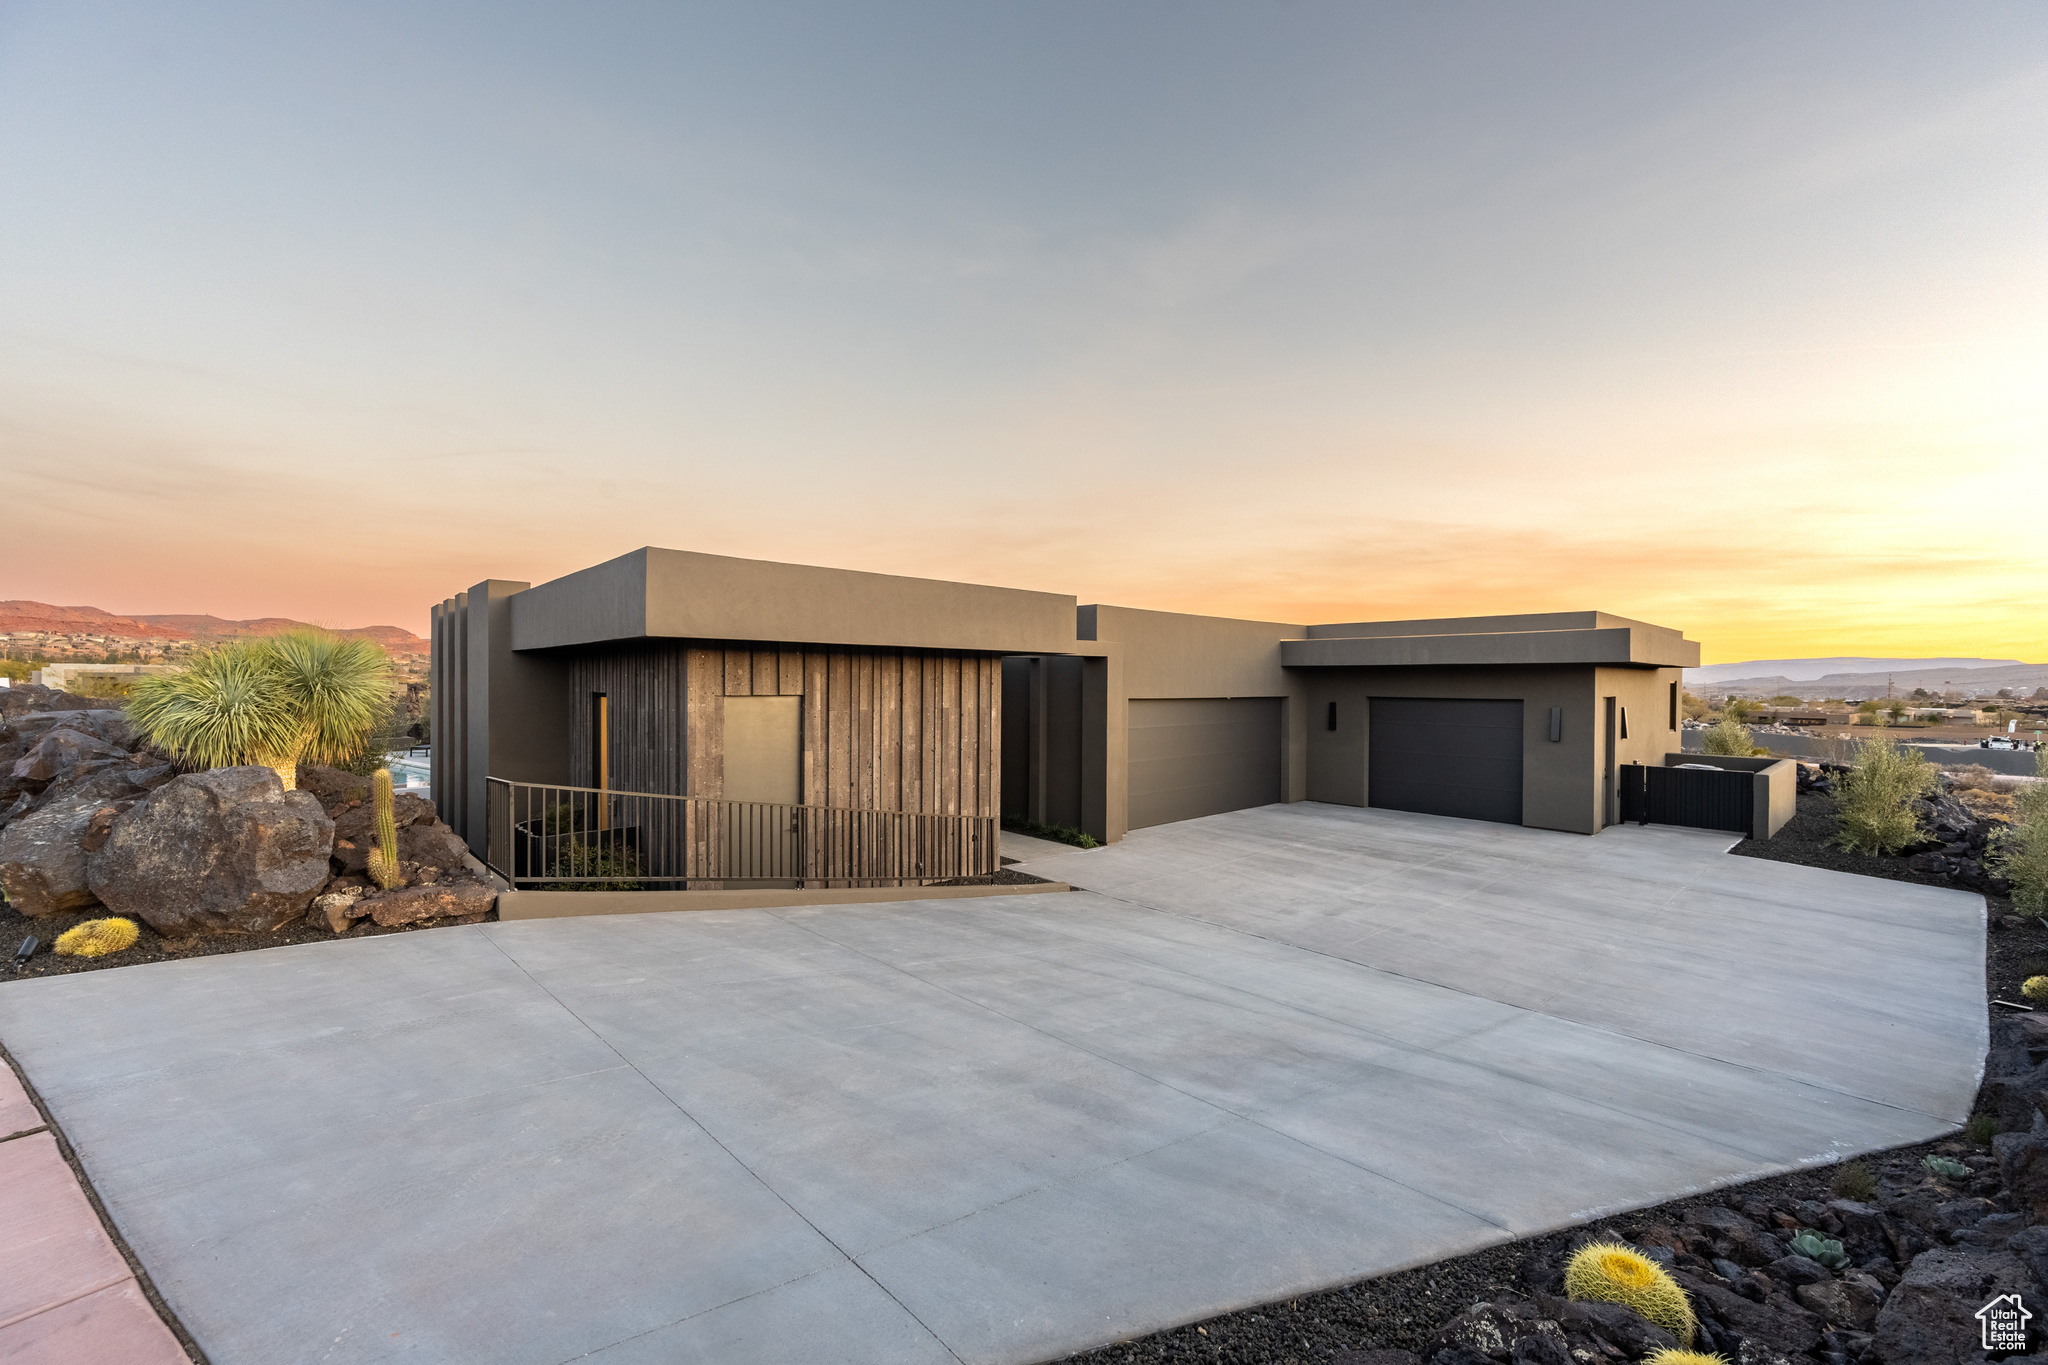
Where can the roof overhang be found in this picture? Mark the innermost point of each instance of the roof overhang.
(1613, 646)
(681, 595)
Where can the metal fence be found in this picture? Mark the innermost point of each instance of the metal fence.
(569, 838)
(1692, 797)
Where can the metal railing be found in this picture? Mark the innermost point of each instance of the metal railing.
(539, 836)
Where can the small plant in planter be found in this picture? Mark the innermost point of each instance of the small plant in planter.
(1825, 1250)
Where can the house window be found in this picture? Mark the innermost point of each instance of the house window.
(1333, 715)
(1674, 706)
(1624, 722)
(600, 741)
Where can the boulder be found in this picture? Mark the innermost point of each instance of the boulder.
(43, 862)
(441, 901)
(1798, 1270)
(1851, 1301)
(1779, 1323)
(31, 698)
(1615, 1324)
(1931, 1316)
(59, 751)
(333, 786)
(427, 845)
(229, 849)
(1492, 1332)
(2023, 1161)
(359, 824)
(337, 910)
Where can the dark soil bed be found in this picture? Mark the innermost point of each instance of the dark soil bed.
(153, 947)
(1404, 1311)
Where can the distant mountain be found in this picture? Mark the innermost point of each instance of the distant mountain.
(1977, 677)
(1807, 670)
(41, 616)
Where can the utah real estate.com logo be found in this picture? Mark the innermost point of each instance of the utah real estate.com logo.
(2005, 1323)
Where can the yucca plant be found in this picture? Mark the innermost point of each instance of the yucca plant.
(304, 696)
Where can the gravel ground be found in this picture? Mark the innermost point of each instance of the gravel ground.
(1403, 1310)
(154, 947)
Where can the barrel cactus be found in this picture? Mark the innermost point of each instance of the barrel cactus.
(1613, 1273)
(382, 862)
(98, 937)
(2035, 988)
(1667, 1356)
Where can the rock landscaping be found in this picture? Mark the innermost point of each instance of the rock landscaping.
(1884, 1260)
(95, 822)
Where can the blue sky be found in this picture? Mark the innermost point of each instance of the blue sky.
(1706, 315)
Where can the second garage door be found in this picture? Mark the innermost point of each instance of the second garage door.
(1446, 757)
(1203, 756)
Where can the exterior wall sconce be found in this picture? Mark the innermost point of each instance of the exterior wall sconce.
(1556, 724)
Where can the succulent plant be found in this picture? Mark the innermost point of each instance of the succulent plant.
(1947, 1168)
(2035, 988)
(1613, 1273)
(1825, 1250)
(1667, 1356)
(382, 862)
(98, 937)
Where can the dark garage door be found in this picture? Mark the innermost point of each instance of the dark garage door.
(1202, 756)
(1443, 757)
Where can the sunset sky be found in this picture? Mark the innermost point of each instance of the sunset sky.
(1729, 317)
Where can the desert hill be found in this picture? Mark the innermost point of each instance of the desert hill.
(43, 617)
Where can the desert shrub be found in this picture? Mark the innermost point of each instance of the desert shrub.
(1730, 739)
(2020, 851)
(101, 685)
(1874, 799)
(1063, 834)
(97, 938)
(578, 859)
(1981, 1129)
(1612, 1273)
(16, 670)
(1853, 1180)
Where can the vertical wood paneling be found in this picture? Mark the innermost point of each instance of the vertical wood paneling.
(882, 730)
(839, 729)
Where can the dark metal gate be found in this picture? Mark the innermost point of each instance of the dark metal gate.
(1697, 798)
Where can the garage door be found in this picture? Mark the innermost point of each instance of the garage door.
(1202, 756)
(1444, 757)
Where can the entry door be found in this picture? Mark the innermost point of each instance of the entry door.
(764, 767)
(1446, 756)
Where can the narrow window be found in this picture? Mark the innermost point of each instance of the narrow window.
(1674, 706)
(1556, 724)
(1333, 715)
(1624, 722)
(600, 741)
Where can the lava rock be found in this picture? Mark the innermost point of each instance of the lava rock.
(43, 861)
(1851, 1301)
(1616, 1324)
(1931, 1316)
(2023, 1161)
(229, 849)
(440, 901)
(1780, 1324)
(1387, 1357)
(1798, 1270)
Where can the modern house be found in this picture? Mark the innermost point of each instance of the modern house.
(742, 701)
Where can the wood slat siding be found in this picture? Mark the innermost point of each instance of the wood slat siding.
(883, 730)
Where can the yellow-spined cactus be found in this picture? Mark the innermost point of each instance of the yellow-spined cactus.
(2035, 988)
(1613, 1273)
(98, 937)
(1667, 1356)
(382, 862)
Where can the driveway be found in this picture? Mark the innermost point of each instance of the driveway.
(1265, 1052)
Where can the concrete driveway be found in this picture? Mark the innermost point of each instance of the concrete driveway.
(1266, 1052)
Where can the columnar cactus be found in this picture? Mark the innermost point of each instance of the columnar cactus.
(382, 861)
(1614, 1273)
(97, 938)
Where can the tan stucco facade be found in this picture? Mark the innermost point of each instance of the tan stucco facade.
(1069, 677)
